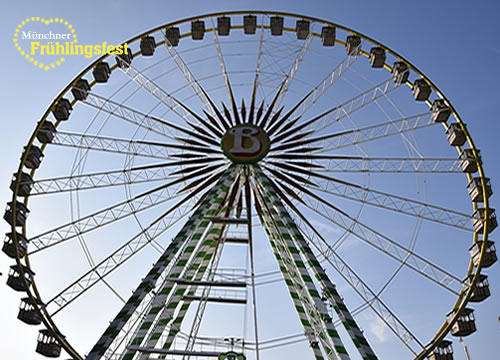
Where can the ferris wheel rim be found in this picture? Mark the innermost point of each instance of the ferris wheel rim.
(472, 270)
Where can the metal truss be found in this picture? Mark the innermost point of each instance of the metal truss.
(104, 217)
(386, 245)
(125, 252)
(395, 203)
(113, 145)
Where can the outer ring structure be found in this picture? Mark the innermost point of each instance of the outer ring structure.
(473, 272)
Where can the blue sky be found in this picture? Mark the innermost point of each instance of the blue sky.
(454, 44)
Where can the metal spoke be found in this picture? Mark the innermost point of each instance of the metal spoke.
(360, 287)
(336, 163)
(118, 146)
(395, 203)
(111, 214)
(121, 255)
(385, 245)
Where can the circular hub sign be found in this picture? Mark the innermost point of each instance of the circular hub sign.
(245, 143)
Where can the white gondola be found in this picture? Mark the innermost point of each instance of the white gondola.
(197, 30)
(442, 351)
(465, 324)
(29, 313)
(455, 134)
(223, 25)
(124, 60)
(440, 111)
(47, 132)
(480, 290)
(9, 247)
(47, 344)
(173, 35)
(62, 110)
(468, 161)
(34, 157)
(475, 189)
(421, 90)
(101, 72)
(81, 89)
(25, 184)
(328, 35)
(20, 216)
(490, 254)
(353, 45)
(17, 281)
(377, 57)
(302, 29)
(400, 72)
(148, 45)
(276, 25)
(249, 24)
(478, 220)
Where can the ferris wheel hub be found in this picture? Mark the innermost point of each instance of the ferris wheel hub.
(245, 143)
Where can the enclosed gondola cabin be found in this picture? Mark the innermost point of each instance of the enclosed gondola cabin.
(16, 280)
(302, 29)
(440, 111)
(9, 247)
(47, 344)
(455, 135)
(328, 35)
(101, 72)
(124, 60)
(465, 324)
(421, 90)
(34, 157)
(223, 25)
(442, 351)
(20, 215)
(480, 290)
(475, 189)
(46, 133)
(81, 89)
(173, 34)
(62, 110)
(249, 24)
(148, 45)
(29, 313)
(400, 72)
(478, 220)
(490, 254)
(276, 25)
(353, 45)
(377, 57)
(197, 30)
(25, 184)
(468, 161)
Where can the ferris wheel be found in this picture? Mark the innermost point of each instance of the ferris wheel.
(250, 185)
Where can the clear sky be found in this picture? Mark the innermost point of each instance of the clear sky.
(454, 43)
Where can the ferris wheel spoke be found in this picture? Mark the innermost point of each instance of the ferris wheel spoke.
(257, 74)
(384, 244)
(352, 137)
(124, 253)
(337, 187)
(335, 114)
(117, 146)
(112, 214)
(368, 295)
(226, 78)
(313, 96)
(396, 203)
(358, 164)
(146, 121)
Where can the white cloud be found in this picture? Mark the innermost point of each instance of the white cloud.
(378, 328)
